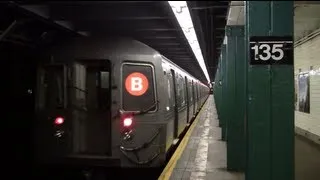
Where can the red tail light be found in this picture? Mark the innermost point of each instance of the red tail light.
(127, 122)
(126, 119)
(59, 120)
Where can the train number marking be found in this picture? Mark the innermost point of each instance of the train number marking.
(136, 84)
(267, 50)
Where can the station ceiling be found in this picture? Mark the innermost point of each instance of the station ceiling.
(152, 22)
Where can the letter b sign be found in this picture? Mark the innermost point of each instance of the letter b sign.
(136, 84)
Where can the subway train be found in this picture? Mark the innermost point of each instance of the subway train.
(111, 102)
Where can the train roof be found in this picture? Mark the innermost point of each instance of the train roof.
(104, 46)
(108, 47)
(181, 71)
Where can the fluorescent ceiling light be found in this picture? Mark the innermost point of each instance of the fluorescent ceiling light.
(181, 11)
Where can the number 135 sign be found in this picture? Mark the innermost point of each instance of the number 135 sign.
(268, 50)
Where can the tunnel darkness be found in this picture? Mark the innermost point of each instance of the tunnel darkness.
(19, 65)
(22, 48)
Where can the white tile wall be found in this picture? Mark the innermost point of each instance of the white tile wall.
(306, 55)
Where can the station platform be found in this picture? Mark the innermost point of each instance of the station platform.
(307, 159)
(201, 154)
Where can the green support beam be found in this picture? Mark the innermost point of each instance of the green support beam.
(224, 103)
(236, 94)
(217, 91)
(270, 88)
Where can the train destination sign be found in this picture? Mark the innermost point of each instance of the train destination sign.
(271, 50)
(136, 84)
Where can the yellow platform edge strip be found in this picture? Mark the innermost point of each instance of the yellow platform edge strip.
(166, 173)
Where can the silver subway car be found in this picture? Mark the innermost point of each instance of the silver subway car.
(112, 102)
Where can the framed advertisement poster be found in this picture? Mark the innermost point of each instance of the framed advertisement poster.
(304, 92)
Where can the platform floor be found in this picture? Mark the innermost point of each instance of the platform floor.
(307, 159)
(201, 154)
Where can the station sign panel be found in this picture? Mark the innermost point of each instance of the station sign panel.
(271, 50)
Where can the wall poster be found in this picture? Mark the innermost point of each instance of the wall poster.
(296, 89)
(304, 92)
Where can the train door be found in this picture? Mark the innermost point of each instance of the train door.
(175, 105)
(187, 97)
(91, 114)
(73, 110)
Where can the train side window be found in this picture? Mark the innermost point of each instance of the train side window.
(138, 88)
(171, 85)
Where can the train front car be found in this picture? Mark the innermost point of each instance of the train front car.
(98, 104)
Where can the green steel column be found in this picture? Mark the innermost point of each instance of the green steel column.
(270, 121)
(218, 91)
(236, 97)
(224, 105)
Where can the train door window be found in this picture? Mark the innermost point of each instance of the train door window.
(169, 90)
(52, 87)
(171, 86)
(197, 87)
(91, 84)
(138, 88)
(196, 91)
(177, 89)
(79, 85)
(190, 92)
(186, 89)
(192, 88)
(181, 91)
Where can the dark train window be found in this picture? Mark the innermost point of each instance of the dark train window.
(138, 91)
(51, 87)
